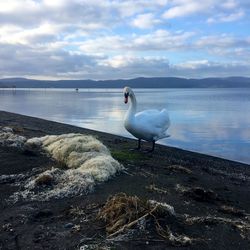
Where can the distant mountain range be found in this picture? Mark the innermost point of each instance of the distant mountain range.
(154, 82)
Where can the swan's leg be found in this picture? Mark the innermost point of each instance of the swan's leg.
(139, 144)
(153, 147)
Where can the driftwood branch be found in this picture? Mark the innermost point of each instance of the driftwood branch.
(129, 225)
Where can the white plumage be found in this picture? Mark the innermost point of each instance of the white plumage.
(150, 125)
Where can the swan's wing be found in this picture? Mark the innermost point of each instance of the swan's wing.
(153, 118)
(150, 125)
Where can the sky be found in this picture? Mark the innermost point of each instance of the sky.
(124, 39)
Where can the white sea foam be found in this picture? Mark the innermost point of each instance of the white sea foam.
(87, 163)
(9, 139)
(164, 205)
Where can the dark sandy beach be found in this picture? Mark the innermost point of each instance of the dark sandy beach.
(210, 196)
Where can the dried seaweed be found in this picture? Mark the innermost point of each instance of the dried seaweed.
(44, 179)
(242, 226)
(198, 193)
(179, 168)
(154, 188)
(122, 212)
(232, 210)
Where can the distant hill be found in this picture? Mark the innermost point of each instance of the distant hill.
(154, 82)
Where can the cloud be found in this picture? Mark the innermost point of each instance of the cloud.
(74, 12)
(127, 67)
(222, 41)
(145, 21)
(230, 17)
(227, 11)
(16, 35)
(162, 40)
(208, 68)
(185, 8)
(129, 8)
(115, 39)
(54, 63)
(121, 61)
(104, 58)
(229, 4)
(157, 40)
(23, 60)
(194, 64)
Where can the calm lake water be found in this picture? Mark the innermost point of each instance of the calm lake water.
(211, 121)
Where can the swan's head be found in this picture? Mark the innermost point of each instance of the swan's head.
(127, 91)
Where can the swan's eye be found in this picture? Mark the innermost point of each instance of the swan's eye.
(126, 95)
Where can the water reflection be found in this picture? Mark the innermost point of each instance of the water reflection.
(204, 120)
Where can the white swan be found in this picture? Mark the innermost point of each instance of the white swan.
(149, 125)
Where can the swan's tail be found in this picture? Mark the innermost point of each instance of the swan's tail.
(162, 136)
(166, 135)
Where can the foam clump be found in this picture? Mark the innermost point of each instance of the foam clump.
(9, 139)
(73, 150)
(7, 130)
(83, 162)
(56, 183)
(163, 206)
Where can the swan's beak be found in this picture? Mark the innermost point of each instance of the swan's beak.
(126, 97)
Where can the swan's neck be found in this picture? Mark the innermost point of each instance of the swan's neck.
(132, 107)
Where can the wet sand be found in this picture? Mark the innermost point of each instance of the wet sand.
(196, 185)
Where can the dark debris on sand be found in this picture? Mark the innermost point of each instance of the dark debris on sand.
(171, 199)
